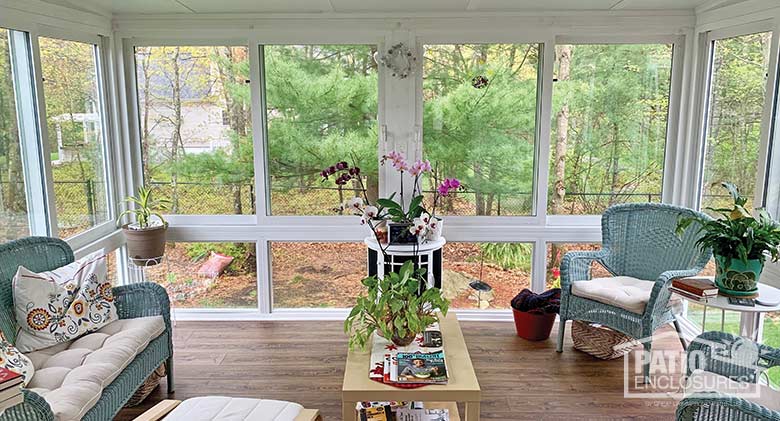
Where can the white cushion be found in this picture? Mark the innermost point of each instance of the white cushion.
(208, 408)
(701, 381)
(624, 292)
(63, 304)
(71, 376)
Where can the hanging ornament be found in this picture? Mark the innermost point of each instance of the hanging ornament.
(400, 60)
(480, 81)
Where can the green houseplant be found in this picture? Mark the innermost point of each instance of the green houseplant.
(395, 308)
(740, 243)
(146, 235)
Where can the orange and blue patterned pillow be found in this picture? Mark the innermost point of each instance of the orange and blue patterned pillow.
(63, 304)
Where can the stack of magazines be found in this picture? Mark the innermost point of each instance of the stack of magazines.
(415, 368)
(399, 411)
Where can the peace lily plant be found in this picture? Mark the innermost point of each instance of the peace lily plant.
(740, 241)
(398, 306)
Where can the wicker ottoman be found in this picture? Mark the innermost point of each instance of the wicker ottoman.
(208, 408)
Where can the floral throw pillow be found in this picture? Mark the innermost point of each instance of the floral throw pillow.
(63, 304)
(12, 359)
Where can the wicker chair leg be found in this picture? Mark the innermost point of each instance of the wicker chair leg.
(561, 333)
(169, 370)
(679, 334)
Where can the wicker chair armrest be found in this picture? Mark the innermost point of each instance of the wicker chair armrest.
(711, 351)
(575, 266)
(721, 406)
(143, 300)
(659, 297)
(34, 408)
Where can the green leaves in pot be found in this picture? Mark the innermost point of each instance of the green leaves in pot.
(394, 306)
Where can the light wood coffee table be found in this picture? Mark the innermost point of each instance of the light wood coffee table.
(461, 387)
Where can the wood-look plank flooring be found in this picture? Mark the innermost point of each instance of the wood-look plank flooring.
(304, 362)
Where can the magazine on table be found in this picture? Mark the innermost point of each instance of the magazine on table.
(408, 414)
(384, 363)
(420, 367)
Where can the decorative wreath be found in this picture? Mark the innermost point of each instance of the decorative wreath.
(400, 60)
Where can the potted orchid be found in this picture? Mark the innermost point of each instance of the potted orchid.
(394, 221)
(396, 307)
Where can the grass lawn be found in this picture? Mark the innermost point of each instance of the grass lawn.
(731, 325)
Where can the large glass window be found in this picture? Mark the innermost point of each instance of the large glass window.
(317, 275)
(479, 125)
(195, 125)
(505, 267)
(610, 109)
(75, 125)
(207, 275)
(740, 66)
(321, 109)
(13, 202)
(555, 253)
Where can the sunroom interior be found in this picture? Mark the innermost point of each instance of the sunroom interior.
(254, 124)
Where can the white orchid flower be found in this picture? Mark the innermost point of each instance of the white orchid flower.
(425, 217)
(370, 212)
(355, 203)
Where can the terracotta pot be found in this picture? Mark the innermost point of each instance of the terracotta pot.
(403, 341)
(146, 247)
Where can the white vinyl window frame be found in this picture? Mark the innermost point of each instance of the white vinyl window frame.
(673, 140)
(705, 73)
(102, 76)
(399, 114)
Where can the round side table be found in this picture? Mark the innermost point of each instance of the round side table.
(751, 321)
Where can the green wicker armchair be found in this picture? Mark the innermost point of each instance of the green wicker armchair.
(640, 241)
(713, 352)
(41, 254)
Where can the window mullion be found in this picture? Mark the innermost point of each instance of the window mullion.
(29, 102)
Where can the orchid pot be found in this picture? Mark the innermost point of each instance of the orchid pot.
(400, 233)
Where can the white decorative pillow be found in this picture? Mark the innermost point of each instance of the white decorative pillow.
(63, 304)
(12, 359)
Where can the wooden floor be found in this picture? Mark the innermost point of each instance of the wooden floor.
(304, 362)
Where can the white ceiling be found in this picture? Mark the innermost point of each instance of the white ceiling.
(376, 6)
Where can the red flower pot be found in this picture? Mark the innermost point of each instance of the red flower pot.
(533, 326)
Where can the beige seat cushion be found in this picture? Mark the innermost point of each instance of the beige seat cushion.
(701, 381)
(71, 376)
(624, 292)
(208, 408)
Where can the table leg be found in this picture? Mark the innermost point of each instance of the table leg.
(472, 411)
(751, 325)
(348, 412)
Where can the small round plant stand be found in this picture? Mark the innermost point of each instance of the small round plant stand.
(426, 255)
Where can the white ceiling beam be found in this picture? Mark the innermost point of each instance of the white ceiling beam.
(184, 5)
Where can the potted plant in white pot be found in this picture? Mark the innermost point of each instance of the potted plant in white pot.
(740, 243)
(146, 235)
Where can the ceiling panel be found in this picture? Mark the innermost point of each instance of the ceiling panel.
(125, 6)
(258, 6)
(519, 5)
(399, 5)
(658, 4)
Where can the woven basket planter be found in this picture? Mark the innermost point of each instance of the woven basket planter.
(147, 387)
(599, 341)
